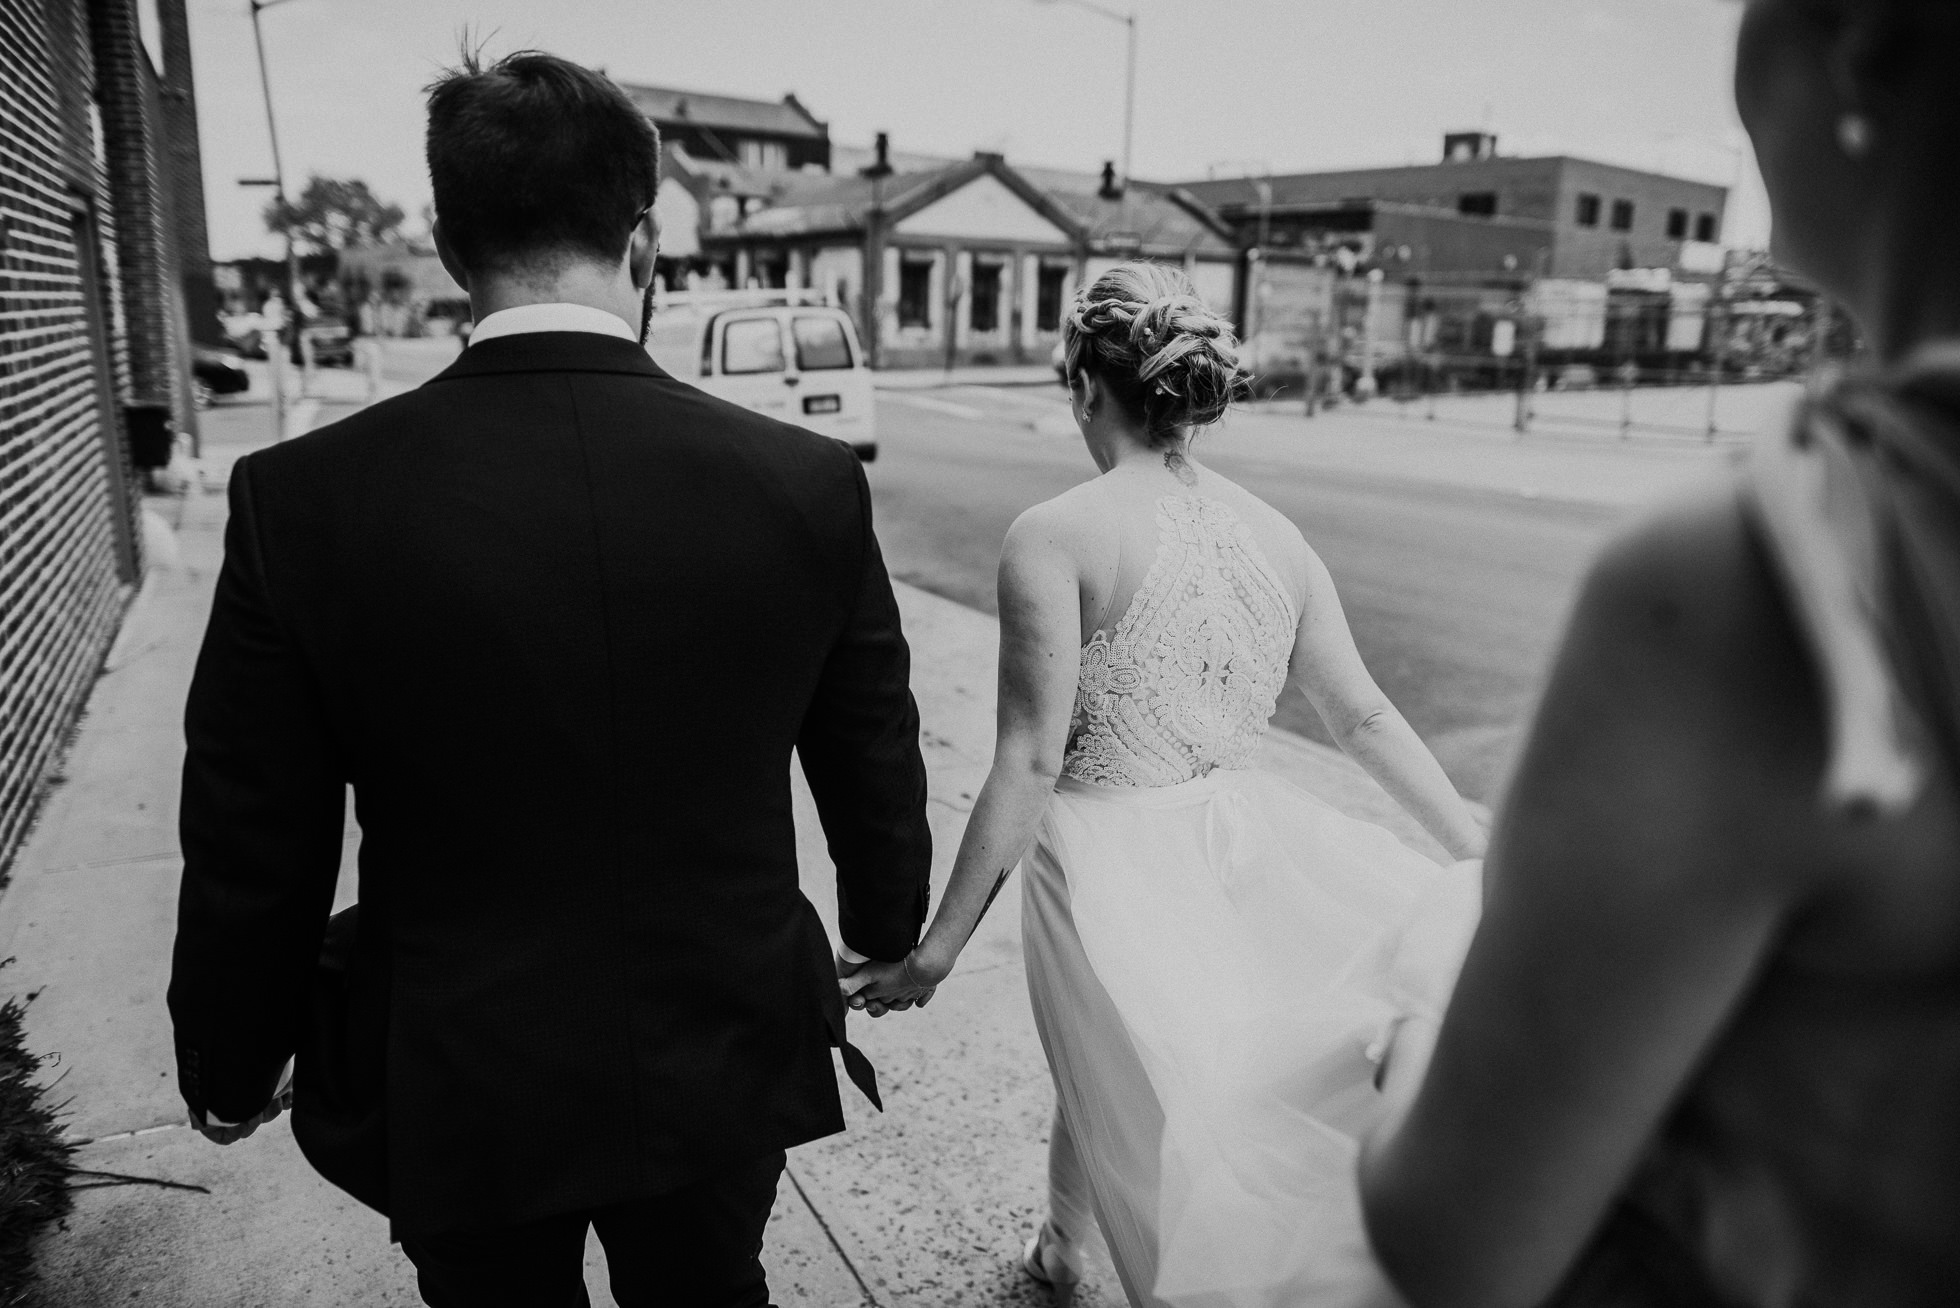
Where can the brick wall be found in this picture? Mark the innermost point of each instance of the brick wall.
(184, 170)
(1593, 251)
(70, 354)
(132, 153)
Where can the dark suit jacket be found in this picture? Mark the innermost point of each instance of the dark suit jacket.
(559, 620)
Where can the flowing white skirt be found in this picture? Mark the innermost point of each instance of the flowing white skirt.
(1213, 967)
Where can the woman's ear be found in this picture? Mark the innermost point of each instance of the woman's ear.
(1868, 57)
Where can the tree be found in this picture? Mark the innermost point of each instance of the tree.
(332, 214)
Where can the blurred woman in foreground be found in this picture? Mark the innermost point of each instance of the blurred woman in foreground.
(1706, 1046)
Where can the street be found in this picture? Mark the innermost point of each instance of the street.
(1457, 549)
(1455, 578)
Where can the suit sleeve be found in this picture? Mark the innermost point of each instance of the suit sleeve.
(860, 751)
(261, 824)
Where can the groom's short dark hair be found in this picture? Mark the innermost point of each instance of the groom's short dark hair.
(536, 157)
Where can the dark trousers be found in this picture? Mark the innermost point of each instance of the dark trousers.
(698, 1247)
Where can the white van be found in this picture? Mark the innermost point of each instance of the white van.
(784, 353)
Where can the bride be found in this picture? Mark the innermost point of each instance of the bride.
(1216, 959)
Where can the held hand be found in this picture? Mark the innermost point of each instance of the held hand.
(221, 1134)
(879, 988)
(1477, 843)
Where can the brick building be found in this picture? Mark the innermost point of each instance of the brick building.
(764, 135)
(1455, 267)
(1478, 215)
(94, 358)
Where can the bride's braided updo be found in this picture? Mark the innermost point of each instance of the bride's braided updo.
(1170, 362)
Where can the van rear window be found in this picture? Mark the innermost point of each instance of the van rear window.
(752, 345)
(820, 344)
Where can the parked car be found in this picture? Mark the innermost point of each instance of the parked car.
(332, 341)
(783, 353)
(1576, 377)
(216, 372)
(249, 333)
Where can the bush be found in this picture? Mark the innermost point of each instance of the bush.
(34, 1160)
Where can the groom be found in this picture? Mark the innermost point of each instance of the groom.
(559, 621)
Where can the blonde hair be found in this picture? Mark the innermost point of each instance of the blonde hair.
(1171, 361)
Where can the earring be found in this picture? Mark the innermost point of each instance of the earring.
(1854, 135)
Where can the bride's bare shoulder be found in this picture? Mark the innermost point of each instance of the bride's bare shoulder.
(1074, 528)
(1278, 536)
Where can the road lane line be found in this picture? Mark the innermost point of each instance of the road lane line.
(932, 405)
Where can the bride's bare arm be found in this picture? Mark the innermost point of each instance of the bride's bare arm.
(1639, 873)
(1040, 648)
(1328, 668)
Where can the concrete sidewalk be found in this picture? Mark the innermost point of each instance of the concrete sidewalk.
(924, 1205)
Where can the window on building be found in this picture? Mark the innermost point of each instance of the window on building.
(984, 308)
(1588, 212)
(1705, 228)
(750, 345)
(1622, 215)
(915, 292)
(1048, 297)
(1477, 204)
(769, 155)
(820, 343)
(1677, 224)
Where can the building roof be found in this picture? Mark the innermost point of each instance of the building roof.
(1145, 220)
(785, 117)
(1161, 220)
(707, 177)
(810, 205)
(1244, 193)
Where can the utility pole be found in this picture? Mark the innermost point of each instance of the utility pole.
(289, 330)
(1129, 20)
(874, 252)
(1718, 327)
(1365, 385)
(1531, 324)
(1130, 99)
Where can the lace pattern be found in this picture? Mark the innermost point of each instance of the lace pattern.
(1188, 680)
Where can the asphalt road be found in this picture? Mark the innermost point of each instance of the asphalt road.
(1457, 552)
(1456, 594)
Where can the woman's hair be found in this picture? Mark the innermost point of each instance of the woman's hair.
(1168, 360)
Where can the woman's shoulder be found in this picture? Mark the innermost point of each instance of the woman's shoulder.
(1080, 510)
(1688, 594)
(1278, 536)
(1697, 551)
(1076, 525)
(1684, 668)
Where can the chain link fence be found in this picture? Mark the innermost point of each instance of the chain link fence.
(1635, 356)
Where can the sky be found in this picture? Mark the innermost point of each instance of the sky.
(1226, 86)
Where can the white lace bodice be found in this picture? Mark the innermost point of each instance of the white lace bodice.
(1188, 680)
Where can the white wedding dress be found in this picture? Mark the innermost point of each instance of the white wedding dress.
(1214, 956)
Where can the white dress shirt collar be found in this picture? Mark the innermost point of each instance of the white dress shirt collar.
(551, 318)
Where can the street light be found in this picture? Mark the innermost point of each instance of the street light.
(1717, 321)
(288, 330)
(1130, 81)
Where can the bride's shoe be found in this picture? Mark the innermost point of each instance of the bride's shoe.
(1046, 1264)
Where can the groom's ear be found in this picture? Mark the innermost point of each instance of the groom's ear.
(450, 263)
(643, 249)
